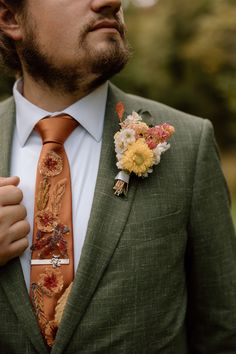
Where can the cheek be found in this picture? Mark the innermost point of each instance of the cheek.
(55, 20)
(54, 38)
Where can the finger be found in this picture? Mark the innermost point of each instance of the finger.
(18, 247)
(18, 230)
(6, 181)
(10, 195)
(13, 250)
(10, 214)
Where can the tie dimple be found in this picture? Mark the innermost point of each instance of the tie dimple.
(55, 129)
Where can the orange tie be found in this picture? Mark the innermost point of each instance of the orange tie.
(52, 265)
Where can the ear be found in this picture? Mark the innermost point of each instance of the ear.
(9, 22)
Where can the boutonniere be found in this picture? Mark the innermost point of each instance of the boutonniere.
(138, 147)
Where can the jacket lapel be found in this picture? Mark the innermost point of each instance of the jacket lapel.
(11, 276)
(7, 121)
(107, 220)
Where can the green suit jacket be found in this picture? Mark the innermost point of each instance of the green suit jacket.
(157, 273)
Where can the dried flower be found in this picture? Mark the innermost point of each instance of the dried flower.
(46, 220)
(120, 110)
(51, 281)
(51, 165)
(138, 148)
(138, 158)
(133, 118)
(123, 139)
(140, 129)
(61, 304)
(53, 243)
(50, 332)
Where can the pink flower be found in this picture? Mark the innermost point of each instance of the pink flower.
(158, 134)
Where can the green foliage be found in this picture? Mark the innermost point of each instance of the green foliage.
(184, 56)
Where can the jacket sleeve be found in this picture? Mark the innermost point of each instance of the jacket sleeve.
(211, 256)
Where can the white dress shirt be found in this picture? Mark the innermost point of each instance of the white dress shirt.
(83, 148)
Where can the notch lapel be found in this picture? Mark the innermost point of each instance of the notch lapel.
(11, 276)
(107, 221)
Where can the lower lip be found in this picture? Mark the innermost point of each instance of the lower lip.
(106, 30)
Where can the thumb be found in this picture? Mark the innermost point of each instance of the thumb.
(7, 181)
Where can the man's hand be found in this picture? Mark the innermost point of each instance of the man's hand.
(13, 225)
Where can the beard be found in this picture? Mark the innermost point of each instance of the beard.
(91, 67)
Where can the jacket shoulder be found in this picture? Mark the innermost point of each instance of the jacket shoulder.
(163, 112)
(188, 127)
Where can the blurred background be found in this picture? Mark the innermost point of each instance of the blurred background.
(184, 55)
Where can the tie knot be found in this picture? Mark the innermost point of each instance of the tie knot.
(56, 129)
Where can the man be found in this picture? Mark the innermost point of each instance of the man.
(155, 271)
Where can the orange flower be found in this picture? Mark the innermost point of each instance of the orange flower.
(120, 110)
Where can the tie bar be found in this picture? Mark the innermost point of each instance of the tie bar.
(55, 261)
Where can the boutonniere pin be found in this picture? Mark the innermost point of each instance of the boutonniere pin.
(138, 147)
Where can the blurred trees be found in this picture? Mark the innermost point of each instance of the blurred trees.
(185, 56)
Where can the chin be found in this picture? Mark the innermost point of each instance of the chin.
(109, 42)
(108, 59)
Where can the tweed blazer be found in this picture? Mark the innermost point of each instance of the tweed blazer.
(157, 274)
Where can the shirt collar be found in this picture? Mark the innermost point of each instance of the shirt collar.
(88, 111)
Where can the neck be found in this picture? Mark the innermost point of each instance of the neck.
(47, 98)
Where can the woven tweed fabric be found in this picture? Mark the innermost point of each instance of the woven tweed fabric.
(157, 274)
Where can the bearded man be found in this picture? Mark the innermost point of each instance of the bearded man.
(86, 268)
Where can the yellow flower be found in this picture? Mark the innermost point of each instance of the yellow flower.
(138, 158)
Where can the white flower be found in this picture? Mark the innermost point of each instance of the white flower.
(122, 139)
(157, 155)
(119, 165)
(133, 118)
(120, 146)
(160, 149)
(145, 175)
(127, 135)
(163, 147)
(119, 156)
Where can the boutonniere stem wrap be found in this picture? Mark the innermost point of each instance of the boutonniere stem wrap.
(138, 147)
